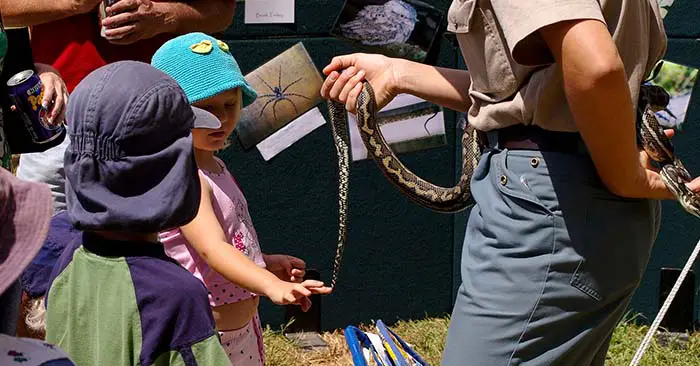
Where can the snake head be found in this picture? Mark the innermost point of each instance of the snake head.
(654, 96)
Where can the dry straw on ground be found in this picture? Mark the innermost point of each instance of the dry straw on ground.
(428, 337)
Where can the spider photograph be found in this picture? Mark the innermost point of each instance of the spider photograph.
(280, 94)
(288, 86)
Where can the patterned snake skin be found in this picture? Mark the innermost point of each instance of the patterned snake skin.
(658, 146)
(454, 199)
(440, 199)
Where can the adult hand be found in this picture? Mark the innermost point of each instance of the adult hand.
(346, 73)
(653, 177)
(128, 21)
(55, 93)
(285, 267)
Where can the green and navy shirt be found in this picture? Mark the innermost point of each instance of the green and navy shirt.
(126, 303)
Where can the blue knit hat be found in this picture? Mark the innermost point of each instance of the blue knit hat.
(203, 66)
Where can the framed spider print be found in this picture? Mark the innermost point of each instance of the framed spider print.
(288, 86)
(396, 28)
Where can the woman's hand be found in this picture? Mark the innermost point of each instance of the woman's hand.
(285, 267)
(653, 178)
(346, 73)
(55, 93)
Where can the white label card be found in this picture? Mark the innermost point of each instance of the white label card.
(291, 133)
(269, 11)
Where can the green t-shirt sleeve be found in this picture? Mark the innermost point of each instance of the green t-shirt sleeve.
(207, 352)
(210, 352)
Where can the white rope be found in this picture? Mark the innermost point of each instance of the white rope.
(669, 299)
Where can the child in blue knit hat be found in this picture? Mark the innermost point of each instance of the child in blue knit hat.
(220, 246)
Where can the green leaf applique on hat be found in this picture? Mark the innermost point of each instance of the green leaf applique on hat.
(204, 47)
(222, 45)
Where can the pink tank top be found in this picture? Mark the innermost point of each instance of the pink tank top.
(231, 208)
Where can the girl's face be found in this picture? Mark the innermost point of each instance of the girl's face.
(226, 107)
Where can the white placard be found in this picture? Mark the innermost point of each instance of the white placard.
(269, 11)
(291, 133)
(399, 131)
(402, 100)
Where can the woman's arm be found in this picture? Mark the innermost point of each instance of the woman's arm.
(391, 76)
(599, 97)
(442, 86)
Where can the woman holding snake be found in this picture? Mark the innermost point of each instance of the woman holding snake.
(567, 207)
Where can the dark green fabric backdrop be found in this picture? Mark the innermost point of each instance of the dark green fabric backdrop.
(401, 261)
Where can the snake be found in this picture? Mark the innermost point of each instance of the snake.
(434, 197)
(658, 146)
(440, 199)
(654, 98)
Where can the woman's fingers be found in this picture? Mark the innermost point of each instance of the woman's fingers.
(341, 82)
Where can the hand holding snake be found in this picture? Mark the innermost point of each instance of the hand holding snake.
(346, 73)
(367, 91)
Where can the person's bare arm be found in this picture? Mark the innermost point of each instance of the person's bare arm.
(392, 76)
(206, 16)
(442, 86)
(207, 237)
(129, 21)
(23, 13)
(599, 97)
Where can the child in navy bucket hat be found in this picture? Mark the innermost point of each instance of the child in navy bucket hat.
(114, 296)
(220, 246)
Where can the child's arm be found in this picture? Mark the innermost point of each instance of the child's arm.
(207, 237)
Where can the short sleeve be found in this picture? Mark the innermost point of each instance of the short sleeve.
(520, 21)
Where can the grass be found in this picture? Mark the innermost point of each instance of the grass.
(428, 335)
(628, 336)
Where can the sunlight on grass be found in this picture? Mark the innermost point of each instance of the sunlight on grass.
(428, 336)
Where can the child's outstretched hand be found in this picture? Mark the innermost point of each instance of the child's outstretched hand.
(285, 293)
(286, 267)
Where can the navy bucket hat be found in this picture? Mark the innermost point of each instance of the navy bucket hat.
(130, 165)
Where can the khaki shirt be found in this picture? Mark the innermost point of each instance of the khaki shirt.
(524, 86)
